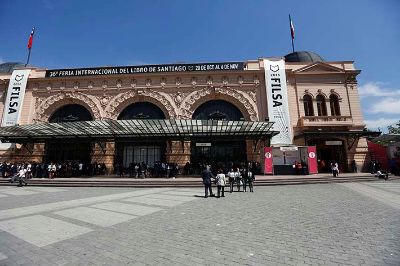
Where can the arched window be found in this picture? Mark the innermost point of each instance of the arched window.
(308, 105)
(141, 110)
(70, 113)
(217, 110)
(321, 105)
(334, 103)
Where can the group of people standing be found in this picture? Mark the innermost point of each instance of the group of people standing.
(241, 177)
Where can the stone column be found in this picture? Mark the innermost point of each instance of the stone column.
(104, 153)
(178, 152)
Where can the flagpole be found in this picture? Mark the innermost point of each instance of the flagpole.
(29, 55)
(30, 41)
(290, 27)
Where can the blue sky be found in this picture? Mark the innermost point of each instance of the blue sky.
(79, 33)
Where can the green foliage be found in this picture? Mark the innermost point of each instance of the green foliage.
(394, 129)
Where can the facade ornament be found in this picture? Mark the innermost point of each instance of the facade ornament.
(133, 83)
(209, 80)
(63, 85)
(105, 99)
(163, 82)
(178, 81)
(76, 85)
(124, 99)
(238, 96)
(256, 80)
(48, 87)
(105, 84)
(225, 80)
(90, 85)
(46, 107)
(240, 80)
(194, 81)
(119, 83)
(148, 82)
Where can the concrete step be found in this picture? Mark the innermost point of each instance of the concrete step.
(183, 183)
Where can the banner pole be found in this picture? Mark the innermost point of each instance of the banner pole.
(29, 55)
(291, 36)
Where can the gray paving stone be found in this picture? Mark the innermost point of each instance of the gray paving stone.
(285, 225)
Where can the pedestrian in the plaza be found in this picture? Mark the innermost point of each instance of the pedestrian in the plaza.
(220, 178)
(244, 179)
(335, 169)
(21, 176)
(354, 166)
(250, 179)
(206, 175)
(238, 179)
(231, 177)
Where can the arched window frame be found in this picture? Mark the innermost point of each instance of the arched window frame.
(308, 105)
(321, 105)
(334, 100)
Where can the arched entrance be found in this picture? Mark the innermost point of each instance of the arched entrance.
(131, 151)
(61, 150)
(221, 153)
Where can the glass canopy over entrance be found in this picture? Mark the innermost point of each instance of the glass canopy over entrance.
(169, 129)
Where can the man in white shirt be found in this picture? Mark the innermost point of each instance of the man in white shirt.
(21, 175)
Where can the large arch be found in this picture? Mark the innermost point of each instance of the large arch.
(49, 105)
(217, 110)
(125, 99)
(66, 151)
(197, 98)
(71, 113)
(141, 110)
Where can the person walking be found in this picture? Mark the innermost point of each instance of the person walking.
(231, 177)
(206, 175)
(238, 179)
(220, 178)
(244, 179)
(335, 169)
(250, 179)
(21, 177)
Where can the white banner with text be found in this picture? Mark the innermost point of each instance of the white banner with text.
(15, 97)
(277, 99)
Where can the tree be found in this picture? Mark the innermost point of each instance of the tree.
(394, 129)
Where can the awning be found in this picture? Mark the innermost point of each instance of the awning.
(170, 129)
(387, 139)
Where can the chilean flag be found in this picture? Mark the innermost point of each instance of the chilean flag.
(30, 41)
(291, 27)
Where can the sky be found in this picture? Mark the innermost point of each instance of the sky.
(90, 33)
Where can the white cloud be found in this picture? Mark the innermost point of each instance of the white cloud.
(375, 89)
(381, 123)
(1, 60)
(386, 105)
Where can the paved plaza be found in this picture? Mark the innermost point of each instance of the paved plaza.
(325, 224)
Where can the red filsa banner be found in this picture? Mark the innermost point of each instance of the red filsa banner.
(268, 162)
(312, 160)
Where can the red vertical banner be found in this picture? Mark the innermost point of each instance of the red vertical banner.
(268, 162)
(312, 160)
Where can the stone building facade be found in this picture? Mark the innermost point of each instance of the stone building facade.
(324, 105)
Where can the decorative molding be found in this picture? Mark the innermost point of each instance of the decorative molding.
(122, 100)
(244, 99)
(45, 107)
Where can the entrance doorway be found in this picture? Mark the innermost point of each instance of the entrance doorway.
(141, 154)
(62, 151)
(328, 151)
(218, 154)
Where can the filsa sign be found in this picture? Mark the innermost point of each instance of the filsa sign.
(15, 97)
(277, 98)
(100, 71)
